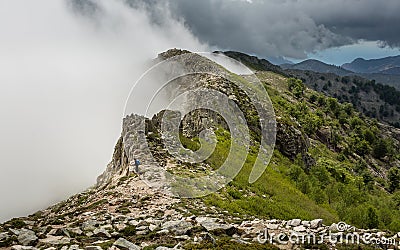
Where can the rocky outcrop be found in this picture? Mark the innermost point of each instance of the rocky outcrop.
(291, 141)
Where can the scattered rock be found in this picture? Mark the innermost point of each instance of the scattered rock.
(294, 222)
(89, 225)
(314, 224)
(3, 236)
(18, 247)
(177, 227)
(76, 231)
(93, 248)
(27, 237)
(300, 228)
(14, 231)
(101, 233)
(152, 227)
(333, 227)
(123, 244)
(55, 240)
(208, 237)
(272, 226)
(74, 247)
(211, 225)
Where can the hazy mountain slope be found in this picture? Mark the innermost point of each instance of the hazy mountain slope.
(367, 96)
(318, 66)
(330, 163)
(380, 65)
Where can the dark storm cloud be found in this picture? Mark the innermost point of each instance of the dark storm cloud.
(290, 28)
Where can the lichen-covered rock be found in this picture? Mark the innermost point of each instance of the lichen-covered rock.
(177, 227)
(123, 244)
(27, 237)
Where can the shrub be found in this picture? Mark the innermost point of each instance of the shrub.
(296, 86)
(393, 178)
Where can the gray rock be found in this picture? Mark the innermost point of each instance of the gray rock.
(27, 237)
(272, 226)
(133, 222)
(3, 236)
(14, 231)
(211, 226)
(55, 240)
(208, 237)
(123, 244)
(164, 248)
(75, 230)
(314, 224)
(93, 248)
(18, 247)
(152, 227)
(142, 232)
(294, 222)
(177, 227)
(164, 231)
(141, 228)
(182, 237)
(89, 225)
(101, 233)
(300, 228)
(333, 227)
(306, 223)
(74, 247)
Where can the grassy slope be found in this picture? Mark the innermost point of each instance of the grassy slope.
(333, 189)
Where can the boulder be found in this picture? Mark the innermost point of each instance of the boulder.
(152, 227)
(178, 227)
(314, 224)
(101, 233)
(294, 223)
(89, 225)
(272, 226)
(55, 240)
(123, 244)
(27, 237)
(3, 236)
(333, 227)
(300, 228)
(219, 228)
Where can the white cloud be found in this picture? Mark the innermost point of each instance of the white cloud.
(64, 79)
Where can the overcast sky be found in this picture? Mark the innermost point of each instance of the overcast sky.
(67, 67)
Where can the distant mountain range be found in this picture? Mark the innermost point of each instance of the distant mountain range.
(384, 70)
(318, 66)
(387, 65)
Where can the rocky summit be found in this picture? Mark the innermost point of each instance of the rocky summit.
(330, 164)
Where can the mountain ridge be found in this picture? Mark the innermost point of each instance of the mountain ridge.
(331, 163)
(378, 65)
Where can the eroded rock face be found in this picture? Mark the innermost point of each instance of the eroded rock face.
(291, 141)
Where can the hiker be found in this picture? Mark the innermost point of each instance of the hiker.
(137, 163)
